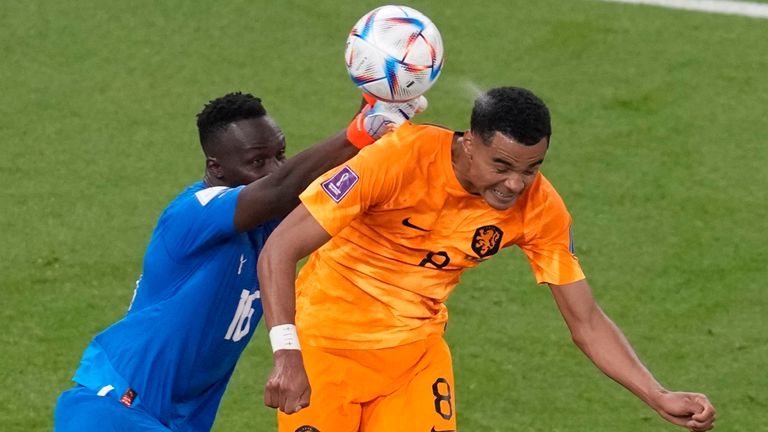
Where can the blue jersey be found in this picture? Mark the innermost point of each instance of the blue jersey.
(193, 312)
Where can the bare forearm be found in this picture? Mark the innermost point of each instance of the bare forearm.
(296, 237)
(300, 170)
(276, 279)
(282, 188)
(604, 343)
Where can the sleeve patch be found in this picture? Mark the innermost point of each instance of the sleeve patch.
(206, 195)
(338, 186)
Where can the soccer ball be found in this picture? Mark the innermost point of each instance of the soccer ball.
(394, 53)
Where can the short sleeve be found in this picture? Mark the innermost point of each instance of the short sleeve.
(548, 241)
(199, 220)
(337, 197)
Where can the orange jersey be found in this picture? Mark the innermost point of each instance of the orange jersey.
(403, 231)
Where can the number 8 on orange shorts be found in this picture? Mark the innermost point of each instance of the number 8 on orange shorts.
(399, 389)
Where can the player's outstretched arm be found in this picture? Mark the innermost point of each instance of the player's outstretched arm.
(297, 236)
(604, 343)
(277, 194)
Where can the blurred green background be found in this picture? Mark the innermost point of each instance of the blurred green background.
(660, 121)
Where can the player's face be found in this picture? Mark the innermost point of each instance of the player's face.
(250, 150)
(502, 169)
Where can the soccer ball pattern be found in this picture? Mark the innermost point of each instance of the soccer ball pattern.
(394, 53)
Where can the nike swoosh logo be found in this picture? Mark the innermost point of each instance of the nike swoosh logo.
(442, 430)
(407, 222)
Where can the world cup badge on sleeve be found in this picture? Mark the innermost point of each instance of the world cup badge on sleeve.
(338, 186)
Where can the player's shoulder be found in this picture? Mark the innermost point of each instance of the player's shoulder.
(197, 197)
(197, 214)
(543, 194)
(410, 146)
(415, 140)
(426, 131)
(200, 195)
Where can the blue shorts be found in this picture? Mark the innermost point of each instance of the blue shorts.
(82, 409)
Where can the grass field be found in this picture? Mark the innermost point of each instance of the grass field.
(660, 121)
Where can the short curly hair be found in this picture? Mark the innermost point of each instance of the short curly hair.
(514, 112)
(220, 112)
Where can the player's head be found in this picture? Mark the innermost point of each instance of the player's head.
(514, 112)
(505, 146)
(240, 141)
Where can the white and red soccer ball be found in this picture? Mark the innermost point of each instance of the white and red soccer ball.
(394, 53)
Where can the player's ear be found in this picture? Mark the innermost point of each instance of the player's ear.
(213, 167)
(467, 142)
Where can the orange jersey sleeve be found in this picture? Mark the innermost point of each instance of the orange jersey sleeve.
(547, 239)
(403, 232)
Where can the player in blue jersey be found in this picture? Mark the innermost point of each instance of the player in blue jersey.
(166, 364)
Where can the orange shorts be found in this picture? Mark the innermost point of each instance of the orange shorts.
(399, 389)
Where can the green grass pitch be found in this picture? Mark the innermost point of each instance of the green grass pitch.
(659, 150)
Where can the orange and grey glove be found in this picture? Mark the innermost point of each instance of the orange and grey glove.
(377, 118)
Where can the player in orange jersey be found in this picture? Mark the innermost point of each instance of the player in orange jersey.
(392, 230)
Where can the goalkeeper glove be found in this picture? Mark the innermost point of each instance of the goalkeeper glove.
(379, 117)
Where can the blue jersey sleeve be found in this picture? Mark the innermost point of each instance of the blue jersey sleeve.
(199, 220)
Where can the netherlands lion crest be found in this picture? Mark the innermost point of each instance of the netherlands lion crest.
(487, 240)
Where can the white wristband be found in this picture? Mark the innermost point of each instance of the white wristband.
(284, 337)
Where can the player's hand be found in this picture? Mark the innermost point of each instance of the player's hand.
(376, 118)
(689, 410)
(288, 386)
